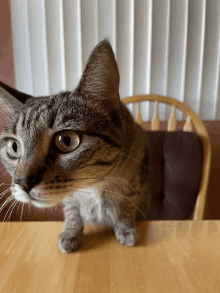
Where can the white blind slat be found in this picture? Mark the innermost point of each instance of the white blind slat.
(55, 44)
(142, 52)
(21, 44)
(177, 53)
(89, 18)
(107, 21)
(160, 52)
(195, 53)
(211, 61)
(125, 49)
(38, 46)
(73, 42)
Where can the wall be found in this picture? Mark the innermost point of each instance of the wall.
(6, 52)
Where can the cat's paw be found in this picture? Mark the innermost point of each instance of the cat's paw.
(68, 242)
(127, 236)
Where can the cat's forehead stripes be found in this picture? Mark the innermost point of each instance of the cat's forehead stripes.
(64, 111)
(38, 114)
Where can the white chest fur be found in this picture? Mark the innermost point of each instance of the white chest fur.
(90, 205)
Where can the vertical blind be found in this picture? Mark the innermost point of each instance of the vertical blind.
(169, 47)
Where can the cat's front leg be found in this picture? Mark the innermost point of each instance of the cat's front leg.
(123, 223)
(71, 237)
(126, 233)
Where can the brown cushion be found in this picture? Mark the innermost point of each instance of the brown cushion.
(176, 173)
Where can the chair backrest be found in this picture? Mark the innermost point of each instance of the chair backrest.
(193, 124)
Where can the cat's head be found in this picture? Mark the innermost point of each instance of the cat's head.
(56, 144)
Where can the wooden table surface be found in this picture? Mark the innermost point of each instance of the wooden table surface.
(171, 256)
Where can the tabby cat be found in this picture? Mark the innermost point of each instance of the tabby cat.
(81, 148)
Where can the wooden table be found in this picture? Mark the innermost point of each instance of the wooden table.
(171, 256)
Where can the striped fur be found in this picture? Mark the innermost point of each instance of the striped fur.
(105, 180)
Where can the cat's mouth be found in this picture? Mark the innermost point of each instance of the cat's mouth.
(38, 199)
(24, 197)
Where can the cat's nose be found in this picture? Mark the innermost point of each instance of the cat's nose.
(27, 183)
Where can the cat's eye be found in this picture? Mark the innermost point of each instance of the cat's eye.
(13, 149)
(67, 141)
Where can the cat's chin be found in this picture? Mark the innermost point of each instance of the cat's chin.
(40, 204)
(26, 199)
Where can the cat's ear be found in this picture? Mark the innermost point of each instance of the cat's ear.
(11, 100)
(100, 79)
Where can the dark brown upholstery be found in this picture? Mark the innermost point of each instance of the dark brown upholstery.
(175, 180)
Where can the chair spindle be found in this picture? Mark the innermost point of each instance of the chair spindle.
(188, 125)
(172, 123)
(138, 117)
(155, 123)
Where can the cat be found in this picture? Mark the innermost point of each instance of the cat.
(81, 148)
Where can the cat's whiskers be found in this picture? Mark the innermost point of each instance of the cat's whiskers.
(101, 179)
(74, 189)
(6, 216)
(125, 198)
(51, 199)
(144, 165)
(47, 207)
(49, 211)
(61, 200)
(10, 198)
(36, 210)
(22, 211)
(56, 208)
(4, 184)
(4, 173)
(121, 180)
(4, 192)
(29, 209)
(14, 204)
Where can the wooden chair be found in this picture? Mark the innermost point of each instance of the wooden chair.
(193, 122)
